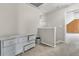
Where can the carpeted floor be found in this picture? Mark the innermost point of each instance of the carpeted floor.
(60, 50)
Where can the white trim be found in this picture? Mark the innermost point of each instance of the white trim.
(54, 36)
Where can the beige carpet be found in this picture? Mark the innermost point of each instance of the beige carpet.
(59, 50)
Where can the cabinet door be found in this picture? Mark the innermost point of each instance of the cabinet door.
(20, 42)
(19, 48)
(9, 51)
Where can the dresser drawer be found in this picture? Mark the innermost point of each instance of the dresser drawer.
(28, 42)
(31, 37)
(8, 42)
(21, 40)
(29, 46)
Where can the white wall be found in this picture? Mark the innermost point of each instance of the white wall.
(8, 19)
(72, 37)
(58, 18)
(28, 19)
(18, 19)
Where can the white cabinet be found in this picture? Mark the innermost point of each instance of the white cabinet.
(10, 46)
(19, 44)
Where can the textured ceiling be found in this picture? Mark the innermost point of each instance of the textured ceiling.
(48, 7)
